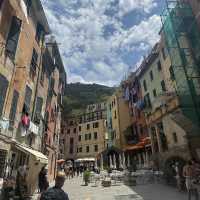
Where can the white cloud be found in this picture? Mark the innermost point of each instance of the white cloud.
(88, 55)
(126, 6)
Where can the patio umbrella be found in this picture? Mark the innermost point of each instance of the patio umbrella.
(144, 158)
(123, 161)
(128, 161)
(114, 162)
(147, 159)
(95, 164)
(101, 161)
(140, 161)
(120, 161)
(110, 158)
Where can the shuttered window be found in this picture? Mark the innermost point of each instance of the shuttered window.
(13, 37)
(13, 108)
(39, 104)
(3, 90)
(28, 5)
(34, 61)
(39, 33)
(38, 110)
(27, 100)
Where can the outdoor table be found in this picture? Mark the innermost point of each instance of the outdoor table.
(97, 179)
(158, 175)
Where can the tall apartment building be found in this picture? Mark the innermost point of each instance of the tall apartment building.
(57, 82)
(69, 139)
(169, 86)
(92, 131)
(25, 80)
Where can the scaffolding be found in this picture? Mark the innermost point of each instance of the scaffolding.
(182, 38)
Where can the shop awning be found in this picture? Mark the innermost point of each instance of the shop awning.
(140, 145)
(133, 147)
(85, 160)
(38, 155)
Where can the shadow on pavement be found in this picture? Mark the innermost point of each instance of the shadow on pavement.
(158, 192)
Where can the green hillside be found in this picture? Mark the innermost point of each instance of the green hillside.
(78, 96)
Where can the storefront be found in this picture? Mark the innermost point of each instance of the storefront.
(21, 156)
(85, 162)
(139, 154)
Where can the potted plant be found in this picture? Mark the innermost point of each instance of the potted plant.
(86, 177)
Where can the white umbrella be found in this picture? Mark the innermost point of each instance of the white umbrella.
(114, 162)
(128, 161)
(111, 165)
(147, 159)
(101, 161)
(140, 161)
(123, 161)
(120, 161)
(95, 164)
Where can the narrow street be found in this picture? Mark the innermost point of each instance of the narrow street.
(77, 191)
(109, 89)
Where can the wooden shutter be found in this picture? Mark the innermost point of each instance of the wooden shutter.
(13, 108)
(39, 105)
(34, 60)
(28, 95)
(3, 91)
(13, 37)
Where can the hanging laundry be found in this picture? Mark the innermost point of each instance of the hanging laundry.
(127, 94)
(140, 104)
(25, 124)
(4, 124)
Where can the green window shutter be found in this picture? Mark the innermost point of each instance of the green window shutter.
(27, 100)
(13, 108)
(13, 37)
(3, 91)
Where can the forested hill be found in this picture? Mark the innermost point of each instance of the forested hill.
(78, 96)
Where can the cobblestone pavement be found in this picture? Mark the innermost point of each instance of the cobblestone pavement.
(77, 191)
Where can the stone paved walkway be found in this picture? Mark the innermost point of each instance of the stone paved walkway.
(77, 191)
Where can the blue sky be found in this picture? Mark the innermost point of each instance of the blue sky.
(102, 40)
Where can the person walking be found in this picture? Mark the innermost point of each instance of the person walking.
(56, 192)
(21, 189)
(77, 171)
(42, 180)
(189, 174)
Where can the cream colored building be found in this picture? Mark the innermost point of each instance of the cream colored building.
(92, 131)
(118, 119)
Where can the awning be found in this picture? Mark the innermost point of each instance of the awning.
(85, 160)
(133, 147)
(38, 155)
(140, 145)
(60, 161)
